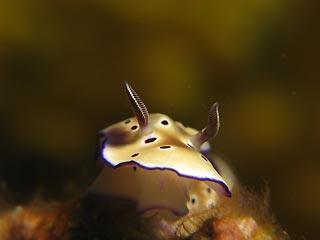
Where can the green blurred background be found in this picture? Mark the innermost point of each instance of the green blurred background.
(62, 70)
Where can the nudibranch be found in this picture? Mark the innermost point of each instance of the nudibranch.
(201, 197)
(157, 161)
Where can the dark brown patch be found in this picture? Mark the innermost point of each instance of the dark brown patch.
(165, 147)
(150, 140)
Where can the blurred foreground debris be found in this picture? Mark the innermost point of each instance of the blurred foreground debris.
(246, 217)
(37, 221)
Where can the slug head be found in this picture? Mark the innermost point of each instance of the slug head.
(157, 150)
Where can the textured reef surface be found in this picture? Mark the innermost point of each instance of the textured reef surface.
(245, 216)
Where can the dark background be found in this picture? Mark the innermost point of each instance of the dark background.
(62, 70)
